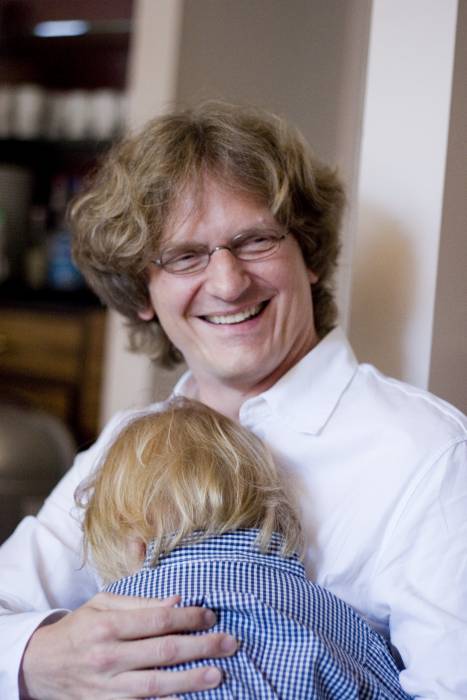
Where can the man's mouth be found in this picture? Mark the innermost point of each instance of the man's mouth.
(239, 317)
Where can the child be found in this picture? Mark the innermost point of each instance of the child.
(188, 502)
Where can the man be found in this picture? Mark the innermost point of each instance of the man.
(215, 232)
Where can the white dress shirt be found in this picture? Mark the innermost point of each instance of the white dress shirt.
(380, 471)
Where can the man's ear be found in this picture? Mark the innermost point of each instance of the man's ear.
(312, 276)
(146, 314)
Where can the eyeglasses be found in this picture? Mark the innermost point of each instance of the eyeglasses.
(248, 246)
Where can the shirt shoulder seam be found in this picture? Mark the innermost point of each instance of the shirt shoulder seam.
(435, 402)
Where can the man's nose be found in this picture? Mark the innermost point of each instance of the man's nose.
(226, 275)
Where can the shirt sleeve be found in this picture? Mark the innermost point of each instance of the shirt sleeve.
(42, 568)
(421, 579)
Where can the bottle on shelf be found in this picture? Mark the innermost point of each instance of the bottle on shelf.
(4, 266)
(62, 274)
(35, 258)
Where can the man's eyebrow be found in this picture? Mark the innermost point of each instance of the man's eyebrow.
(257, 227)
(182, 245)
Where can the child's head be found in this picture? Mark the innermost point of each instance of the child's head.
(167, 475)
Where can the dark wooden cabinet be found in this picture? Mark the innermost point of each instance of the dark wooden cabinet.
(51, 358)
(51, 335)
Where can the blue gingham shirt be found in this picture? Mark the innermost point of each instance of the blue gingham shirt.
(297, 640)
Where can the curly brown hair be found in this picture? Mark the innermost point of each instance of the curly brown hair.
(119, 218)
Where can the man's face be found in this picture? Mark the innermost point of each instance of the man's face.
(238, 324)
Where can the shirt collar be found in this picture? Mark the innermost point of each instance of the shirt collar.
(234, 546)
(307, 395)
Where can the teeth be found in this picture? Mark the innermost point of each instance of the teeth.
(235, 318)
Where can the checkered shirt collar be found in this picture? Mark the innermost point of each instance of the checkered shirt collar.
(238, 544)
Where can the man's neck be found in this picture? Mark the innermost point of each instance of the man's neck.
(227, 402)
(218, 396)
(226, 396)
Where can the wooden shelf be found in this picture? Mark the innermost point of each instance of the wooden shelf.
(52, 359)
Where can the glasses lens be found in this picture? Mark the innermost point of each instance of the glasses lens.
(256, 245)
(184, 262)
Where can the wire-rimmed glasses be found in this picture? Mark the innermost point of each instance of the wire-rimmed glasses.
(248, 246)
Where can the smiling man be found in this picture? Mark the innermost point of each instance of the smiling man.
(215, 233)
(246, 318)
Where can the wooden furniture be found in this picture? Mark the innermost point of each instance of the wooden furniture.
(51, 358)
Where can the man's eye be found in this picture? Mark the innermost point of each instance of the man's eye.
(257, 241)
(181, 257)
(187, 255)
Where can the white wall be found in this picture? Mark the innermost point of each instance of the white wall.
(448, 372)
(402, 172)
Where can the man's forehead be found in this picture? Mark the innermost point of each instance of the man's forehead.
(202, 205)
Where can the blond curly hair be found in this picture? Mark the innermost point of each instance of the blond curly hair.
(119, 218)
(187, 471)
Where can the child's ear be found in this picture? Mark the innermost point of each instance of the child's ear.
(136, 551)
